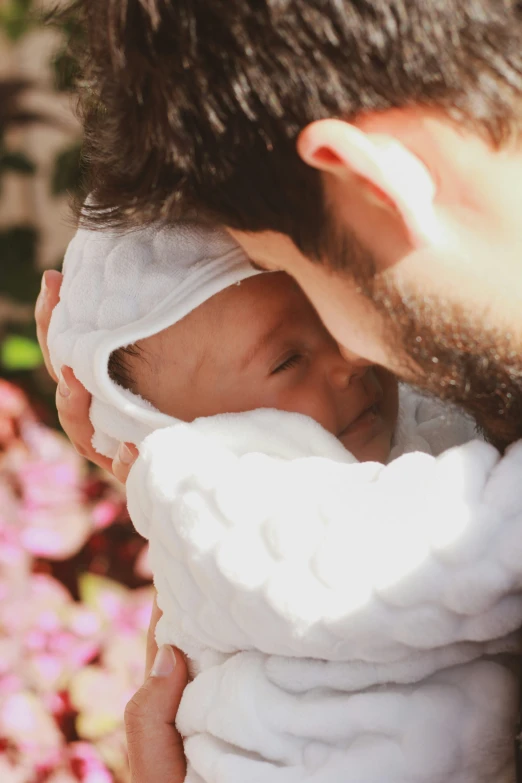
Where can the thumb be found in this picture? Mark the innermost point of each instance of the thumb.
(155, 747)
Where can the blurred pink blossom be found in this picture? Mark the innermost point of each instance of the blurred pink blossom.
(48, 474)
(63, 662)
(27, 725)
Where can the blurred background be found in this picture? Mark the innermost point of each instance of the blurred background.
(75, 592)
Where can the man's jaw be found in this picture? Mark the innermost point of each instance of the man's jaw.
(468, 367)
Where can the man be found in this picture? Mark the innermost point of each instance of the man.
(371, 148)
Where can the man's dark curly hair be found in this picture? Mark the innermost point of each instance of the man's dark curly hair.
(195, 105)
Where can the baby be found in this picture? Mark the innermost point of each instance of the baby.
(260, 344)
(345, 618)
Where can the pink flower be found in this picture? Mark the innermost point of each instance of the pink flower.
(49, 477)
(105, 512)
(47, 480)
(100, 692)
(117, 606)
(87, 764)
(13, 771)
(55, 637)
(61, 660)
(13, 407)
(26, 724)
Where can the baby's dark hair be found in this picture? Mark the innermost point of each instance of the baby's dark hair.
(120, 368)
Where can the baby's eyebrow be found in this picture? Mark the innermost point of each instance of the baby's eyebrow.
(263, 341)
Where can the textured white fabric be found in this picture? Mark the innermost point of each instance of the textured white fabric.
(118, 288)
(347, 622)
(340, 615)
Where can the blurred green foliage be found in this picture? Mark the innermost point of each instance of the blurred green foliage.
(20, 353)
(20, 357)
(15, 161)
(16, 18)
(20, 278)
(67, 173)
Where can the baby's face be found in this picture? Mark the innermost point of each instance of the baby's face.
(260, 344)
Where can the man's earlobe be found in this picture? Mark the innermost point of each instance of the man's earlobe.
(386, 171)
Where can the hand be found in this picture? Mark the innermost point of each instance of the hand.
(47, 300)
(155, 748)
(72, 399)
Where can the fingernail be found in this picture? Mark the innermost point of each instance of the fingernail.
(63, 389)
(41, 300)
(125, 455)
(164, 662)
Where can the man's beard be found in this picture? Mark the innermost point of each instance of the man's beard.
(440, 348)
(454, 356)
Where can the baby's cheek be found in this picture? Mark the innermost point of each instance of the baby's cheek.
(312, 403)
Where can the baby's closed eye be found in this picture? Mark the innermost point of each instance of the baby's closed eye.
(291, 361)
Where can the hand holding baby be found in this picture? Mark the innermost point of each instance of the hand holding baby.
(154, 746)
(72, 399)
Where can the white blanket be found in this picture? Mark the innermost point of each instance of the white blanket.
(348, 622)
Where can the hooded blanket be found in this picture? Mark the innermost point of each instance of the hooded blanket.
(346, 622)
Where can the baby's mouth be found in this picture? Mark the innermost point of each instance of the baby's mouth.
(363, 419)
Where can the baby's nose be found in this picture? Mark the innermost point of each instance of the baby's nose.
(344, 371)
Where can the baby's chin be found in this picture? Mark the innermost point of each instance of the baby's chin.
(375, 447)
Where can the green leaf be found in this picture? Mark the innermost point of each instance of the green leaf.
(18, 274)
(67, 173)
(20, 353)
(15, 18)
(16, 161)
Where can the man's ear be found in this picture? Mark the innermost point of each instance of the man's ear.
(386, 170)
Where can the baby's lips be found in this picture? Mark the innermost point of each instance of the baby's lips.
(373, 397)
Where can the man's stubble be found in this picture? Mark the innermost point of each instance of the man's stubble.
(440, 348)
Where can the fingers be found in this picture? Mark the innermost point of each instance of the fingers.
(124, 460)
(155, 748)
(47, 300)
(73, 402)
(152, 647)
